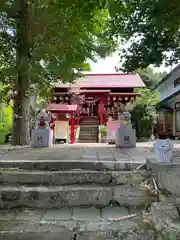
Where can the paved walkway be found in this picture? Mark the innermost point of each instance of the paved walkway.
(92, 152)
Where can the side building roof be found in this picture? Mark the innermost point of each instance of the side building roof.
(167, 76)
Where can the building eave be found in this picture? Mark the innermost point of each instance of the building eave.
(166, 77)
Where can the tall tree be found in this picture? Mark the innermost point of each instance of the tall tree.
(150, 32)
(43, 41)
(150, 77)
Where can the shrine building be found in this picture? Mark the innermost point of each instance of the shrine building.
(89, 102)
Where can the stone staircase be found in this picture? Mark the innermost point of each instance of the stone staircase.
(72, 200)
(89, 130)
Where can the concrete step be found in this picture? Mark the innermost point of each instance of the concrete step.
(87, 141)
(70, 164)
(88, 137)
(89, 126)
(70, 224)
(88, 132)
(21, 176)
(72, 196)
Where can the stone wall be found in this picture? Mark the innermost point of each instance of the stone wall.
(165, 213)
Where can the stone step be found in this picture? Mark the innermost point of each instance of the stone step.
(90, 123)
(85, 137)
(87, 141)
(70, 164)
(19, 176)
(89, 126)
(82, 214)
(87, 134)
(70, 224)
(72, 196)
(88, 131)
(90, 135)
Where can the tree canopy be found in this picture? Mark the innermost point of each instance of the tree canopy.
(150, 77)
(61, 36)
(150, 33)
(44, 41)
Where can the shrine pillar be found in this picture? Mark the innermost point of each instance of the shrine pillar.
(101, 109)
(72, 133)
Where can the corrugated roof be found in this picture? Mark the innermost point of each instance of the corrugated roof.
(61, 107)
(114, 80)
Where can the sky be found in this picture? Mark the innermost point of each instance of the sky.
(108, 65)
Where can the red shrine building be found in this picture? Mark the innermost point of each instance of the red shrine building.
(80, 108)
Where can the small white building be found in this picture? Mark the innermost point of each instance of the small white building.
(169, 105)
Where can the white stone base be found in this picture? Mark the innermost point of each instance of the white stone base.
(42, 137)
(125, 138)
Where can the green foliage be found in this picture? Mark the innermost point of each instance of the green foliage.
(150, 30)
(46, 41)
(61, 36)
(5, 122)
(103, 131)
(150, 77)
(143, 114)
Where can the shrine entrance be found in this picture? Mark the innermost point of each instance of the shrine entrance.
(90, 106)
(92, 103)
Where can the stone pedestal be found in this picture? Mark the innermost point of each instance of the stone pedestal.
(42, 137)
(126, 137)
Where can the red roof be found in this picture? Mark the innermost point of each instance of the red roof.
(95, 91)
(124, 94)
(61, 107)
(114, 80)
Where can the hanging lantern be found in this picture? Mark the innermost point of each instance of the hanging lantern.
(60, 98)
(120, 98)
(114, 98)
(55, 98)
(67, 98)
(126, 98)
(109, 99)
(68, 115)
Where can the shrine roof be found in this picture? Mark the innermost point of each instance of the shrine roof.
(125, 94)
(61, 107)
(107, 80)
(95, 91)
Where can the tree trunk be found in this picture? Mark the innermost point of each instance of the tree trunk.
(20, 134)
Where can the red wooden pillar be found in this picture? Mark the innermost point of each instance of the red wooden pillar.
(72, 137)
(101, 109)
